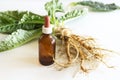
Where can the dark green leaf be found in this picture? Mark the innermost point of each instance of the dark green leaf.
(98, 6)
(10, 21)
(9, 17)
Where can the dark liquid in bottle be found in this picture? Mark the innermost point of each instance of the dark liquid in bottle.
(46, 49)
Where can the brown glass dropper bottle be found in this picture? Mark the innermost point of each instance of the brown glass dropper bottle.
(46, 44)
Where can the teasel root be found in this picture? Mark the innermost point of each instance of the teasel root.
(82, 50)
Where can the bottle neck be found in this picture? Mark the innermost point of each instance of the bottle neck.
(47, 30)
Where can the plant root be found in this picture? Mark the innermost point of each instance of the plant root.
(80, 49)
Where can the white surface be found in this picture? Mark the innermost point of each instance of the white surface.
(22, 63)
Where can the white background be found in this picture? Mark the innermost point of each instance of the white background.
(22, 63)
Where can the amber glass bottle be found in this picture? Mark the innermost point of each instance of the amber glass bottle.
(46, 44)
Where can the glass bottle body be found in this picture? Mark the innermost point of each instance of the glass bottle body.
(46, 49)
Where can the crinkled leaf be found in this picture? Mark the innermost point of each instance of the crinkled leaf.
(18, 38)
(52, 7)
(13, 27)
(73, 14)
(10, 21)
(10, 17)
(97, 6)
(31, 18)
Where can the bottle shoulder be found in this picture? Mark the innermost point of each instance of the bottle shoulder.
(47, 38)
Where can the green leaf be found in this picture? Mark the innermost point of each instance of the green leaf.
(18, 38)
(13, 27)
(52, 7)
(73, 14)
(97, 6)
(31, 18)
(9, 17)
(10, 21)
